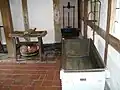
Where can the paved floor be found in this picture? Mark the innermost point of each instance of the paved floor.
(30, 76)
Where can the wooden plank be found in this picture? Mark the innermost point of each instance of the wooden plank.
(108, 27)
(85, 17)
(99, 30)
(25, 14)
(79, 15)
(33, 34)
(7, 23)
(114, 42)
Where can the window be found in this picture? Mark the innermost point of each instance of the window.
(116, 29)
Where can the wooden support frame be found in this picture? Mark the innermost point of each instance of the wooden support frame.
(7, 24)
(110, 39)
(79, 14)
(25, 14)
(85, 17)
(108, 27)
(113, 41)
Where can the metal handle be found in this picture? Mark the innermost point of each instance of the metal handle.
(82, 79)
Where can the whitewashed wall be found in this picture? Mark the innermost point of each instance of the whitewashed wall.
(114, 68)
(100, 42)
(17, 17)
(40, 16)
(103, 14)
(2, 37)
(113, 56)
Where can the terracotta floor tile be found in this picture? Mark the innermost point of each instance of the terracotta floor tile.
(8, 82)
(9, 76)
(47, 83)
(52, 88)
(56, 83)
(5, 88)
(29, 76)
(50, 75)
(57, 75)
(39, 88)
(42, 76)
(37, 83)
(2, 77)
(28, 88)
(17, 87)
(35, 77)
(7, 71)
(22, 82)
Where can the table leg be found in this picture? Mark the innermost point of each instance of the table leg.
(14, 48)
(40, 47)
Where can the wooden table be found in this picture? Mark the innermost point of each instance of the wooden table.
(17, 34)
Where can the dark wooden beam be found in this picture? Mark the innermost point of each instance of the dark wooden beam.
(85, 17)
(25, 14)
(7, 23)
(79, 15)
(108, 27)
(99, 30)
(114, 42)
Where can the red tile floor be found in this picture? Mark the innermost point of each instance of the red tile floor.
(30, 76)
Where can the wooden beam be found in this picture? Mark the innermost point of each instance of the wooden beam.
(85, 17)
(79, 15)
(7, 23)
(108, 27)
(99, 30)
(25, 14)
(114, 42)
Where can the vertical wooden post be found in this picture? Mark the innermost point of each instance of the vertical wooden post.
(7, 23)
(82, 15)
(85, 17)
(110, 22)
(25, 14)
(79, 15)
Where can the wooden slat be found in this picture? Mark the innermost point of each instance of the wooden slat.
(7, 23)
(33, 34)
(85, 17)
(25, 14)
(108, 27)
(114, 42)
(99, 30)
(79, 15)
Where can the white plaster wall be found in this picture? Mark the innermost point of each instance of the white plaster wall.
(100, 42)
(114, 68)
(17, 18)
(113, 55)
(2, 37)
(103, 14)
(41, 16)
(100, 45)
(0, 19)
